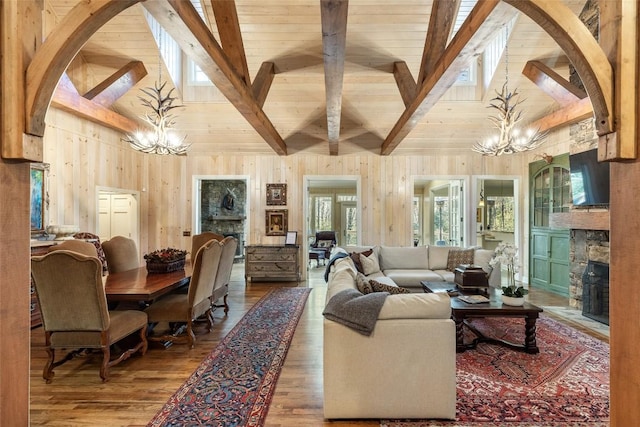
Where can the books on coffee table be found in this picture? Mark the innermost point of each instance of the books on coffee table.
(473, 299)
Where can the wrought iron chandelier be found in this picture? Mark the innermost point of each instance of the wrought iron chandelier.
(510, 138)
(160, 139)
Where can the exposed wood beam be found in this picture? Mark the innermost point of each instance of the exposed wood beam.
(181, 20)
(572, 113)
(583, 51)
(262, 82)
(116, 85)
(15, 55)
(57, 52)
(334, 38)
(406, 83)
(69, 100)
(443, 16)
(553, 84)
(230, 36)
(485, 19)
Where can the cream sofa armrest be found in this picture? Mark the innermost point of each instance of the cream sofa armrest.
(416, 306)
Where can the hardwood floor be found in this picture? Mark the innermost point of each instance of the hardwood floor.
(140, 386)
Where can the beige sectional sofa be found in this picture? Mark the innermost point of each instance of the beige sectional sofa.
(408, 266)
(406, 368)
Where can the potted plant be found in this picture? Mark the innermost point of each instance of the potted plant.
(165, 260)
(507, 254)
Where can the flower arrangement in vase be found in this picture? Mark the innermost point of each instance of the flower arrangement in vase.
(165, 260)
(507, 254)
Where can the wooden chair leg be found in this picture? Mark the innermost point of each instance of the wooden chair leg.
(191, 337)
(106, 356)
(47, 372)
(226, 306)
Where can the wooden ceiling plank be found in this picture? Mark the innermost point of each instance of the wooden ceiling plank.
(262, 82)
(58, 50)
(485, 19)
(553, 84)
(117, 84)
(406, 83)
(70, 101)
(443, 16)
(183, 23)
(334, 39)
(572, 113)
(226, 16)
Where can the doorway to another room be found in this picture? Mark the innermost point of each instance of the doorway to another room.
(118, 214)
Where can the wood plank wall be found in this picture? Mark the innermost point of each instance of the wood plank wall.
(84, 156)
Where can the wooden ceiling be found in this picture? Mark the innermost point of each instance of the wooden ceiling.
(336, 94)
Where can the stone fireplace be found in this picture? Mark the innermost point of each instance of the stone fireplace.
(223, 209)
(589, 273)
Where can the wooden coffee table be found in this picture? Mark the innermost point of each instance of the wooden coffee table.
(461, 311)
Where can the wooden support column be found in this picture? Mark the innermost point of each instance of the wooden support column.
(619, 28)
(15, 144)
(17, 42)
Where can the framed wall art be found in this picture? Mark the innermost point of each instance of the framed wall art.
(276, 194)
(276, 222)
(291, 239)
(39, 197)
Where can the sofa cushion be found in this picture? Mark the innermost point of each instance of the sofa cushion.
(457, 257)
(438, 256)
(416, 306)
(355, 256)
(363, 284)
(404, 257)
(381, 287)
(325, 243)
(412, 278)
(447, 276)
(369, 263)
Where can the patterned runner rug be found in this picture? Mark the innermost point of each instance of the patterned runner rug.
(566, 385)
(234, 385)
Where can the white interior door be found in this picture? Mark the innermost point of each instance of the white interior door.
(117, 215)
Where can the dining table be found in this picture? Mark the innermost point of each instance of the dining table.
(139, 285)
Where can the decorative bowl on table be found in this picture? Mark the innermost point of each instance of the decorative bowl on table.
(165, 260)
(63, 232)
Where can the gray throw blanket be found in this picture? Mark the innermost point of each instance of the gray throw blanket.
(353, 309)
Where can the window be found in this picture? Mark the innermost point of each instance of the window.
(416, 219)
(500, 212)
(195, 75)
(323, 215)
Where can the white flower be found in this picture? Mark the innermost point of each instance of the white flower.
(505, 254)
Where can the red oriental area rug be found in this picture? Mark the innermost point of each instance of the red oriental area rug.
(566, 384)
(234, 385)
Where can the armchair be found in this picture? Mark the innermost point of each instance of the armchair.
(325, 241)
(74, 311)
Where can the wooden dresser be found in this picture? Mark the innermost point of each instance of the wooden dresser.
(272, 262)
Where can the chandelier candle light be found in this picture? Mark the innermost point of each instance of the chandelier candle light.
(510, 138)
(159, 139)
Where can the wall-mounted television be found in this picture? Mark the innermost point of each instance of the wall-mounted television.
(589, 179)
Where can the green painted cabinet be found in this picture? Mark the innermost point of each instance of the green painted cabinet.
(550, 189)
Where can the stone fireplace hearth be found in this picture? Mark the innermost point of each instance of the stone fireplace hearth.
(589, 276)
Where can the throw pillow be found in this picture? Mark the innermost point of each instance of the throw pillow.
(363, 284)
(325, 243)
(393, 290)
(355, 257)
(457, 257)
(369, 263)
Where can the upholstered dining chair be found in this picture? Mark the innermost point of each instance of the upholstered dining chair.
(325, 241)
(94, 239)
(221, 284)
(198, 240)
(79, 246)
(121, 253)
(74, 311)
(186, 308)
